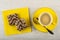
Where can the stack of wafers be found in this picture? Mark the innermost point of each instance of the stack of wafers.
(18, 22)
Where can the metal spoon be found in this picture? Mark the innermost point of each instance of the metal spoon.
(35, 21)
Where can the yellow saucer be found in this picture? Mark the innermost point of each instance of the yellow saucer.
(12, 30)
(47, 10)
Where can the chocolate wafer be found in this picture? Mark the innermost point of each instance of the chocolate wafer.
(12, 19)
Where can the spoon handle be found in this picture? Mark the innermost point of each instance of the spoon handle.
(49, 31)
